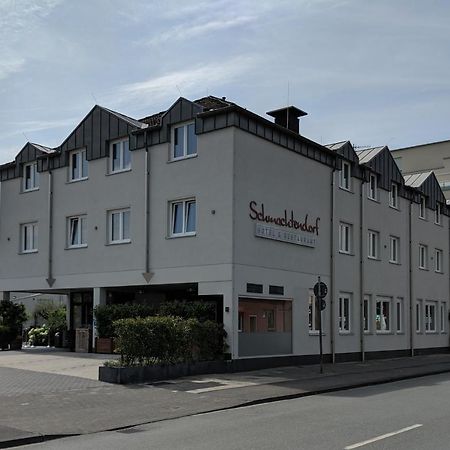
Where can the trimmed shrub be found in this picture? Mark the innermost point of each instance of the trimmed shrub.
(199, 310)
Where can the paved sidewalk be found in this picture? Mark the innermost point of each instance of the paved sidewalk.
(79, 406)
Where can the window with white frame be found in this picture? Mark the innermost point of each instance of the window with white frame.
(183, 217)
(76, 228)
(438, 260)
(419, 316)
(443, 316)
(344, 313)
(345, 237)
(430, 317)
(394, 249)
(119, 156)
(422, 208)
(383, 314)
(423, 256)
(184, 141)
(373, 187)
(29, 237)
(345, 176)
(119, 226)
(313, 313)
(366, 313)
(399, 315)
(393, 196)
(30, 177)
(78, 165)
(373, 244)
(437, 214)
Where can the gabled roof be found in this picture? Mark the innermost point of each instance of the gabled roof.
(43, 149)
(368, 154)
(337, 145)
(428, 185)
(416, 180)
(133, 122)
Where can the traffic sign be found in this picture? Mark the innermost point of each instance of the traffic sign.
(320, 290)
(323, 304)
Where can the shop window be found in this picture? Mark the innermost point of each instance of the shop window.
(313, 313)
(430, 317)
(344, 313)
(419, 316)
(383, 315)
(240, 321)
(399, 315)
(443, 317)
(366, 313)
(253, 324)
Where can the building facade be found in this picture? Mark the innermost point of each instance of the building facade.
(210, 201)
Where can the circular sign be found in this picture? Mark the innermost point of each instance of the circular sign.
(323, 304)
(320, 290)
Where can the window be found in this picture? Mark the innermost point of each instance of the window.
(423, 256)
(30, 177)
(373, 238)
(183, 218)
(184, 141)
(443, 317)
(393, 196)
(366, 313)
(419, 316)
(438, 260)
(240, 321)
(430, 317)
(373, 187)
(383, 315)
(422, 208)
(345, 238)
(437, 214)
(76, 232)
(399, 315)
(313, 313)
(78, 166)
(270, 315)
(253, 324)
(119, 156)
(344, 313)
(119, 226)
(394, 256)
(29, 237)
(344, 176)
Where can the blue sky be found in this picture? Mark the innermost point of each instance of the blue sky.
(374, 72)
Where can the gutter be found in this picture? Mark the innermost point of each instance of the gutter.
(361, 272)
(50, 280)
(333, 266)
(411, 296)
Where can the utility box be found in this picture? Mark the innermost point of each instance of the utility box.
(82, 340)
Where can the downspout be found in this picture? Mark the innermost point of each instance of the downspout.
(333, 267)
(361, 272)
(411, 296)
(147, 274)
(50, 280)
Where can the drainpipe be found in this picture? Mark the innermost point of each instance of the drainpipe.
(361, 272)
(411, 296)
(50, 280)
(147, 274)
(333, 268)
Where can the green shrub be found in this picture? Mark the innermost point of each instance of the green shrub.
(39, 335)
(6, 336)
(167, 340)
(199, 310)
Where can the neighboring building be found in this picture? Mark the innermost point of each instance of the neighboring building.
(425, 158)
(210, 201)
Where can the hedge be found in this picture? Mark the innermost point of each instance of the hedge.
(167, 340)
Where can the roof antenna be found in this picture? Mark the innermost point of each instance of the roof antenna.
(179, 90)
(26, 137)
(287, 107)
(93, 96)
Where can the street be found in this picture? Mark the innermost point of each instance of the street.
(405, 415)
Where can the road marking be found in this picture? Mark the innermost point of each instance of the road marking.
(384, 436)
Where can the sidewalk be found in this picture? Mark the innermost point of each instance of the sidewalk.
(78, 406)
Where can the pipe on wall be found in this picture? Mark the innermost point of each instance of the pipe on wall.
(147, 210)
(333, 268)
(411, 296)
(361, 272)
(50, 279)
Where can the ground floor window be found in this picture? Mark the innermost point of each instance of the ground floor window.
(313, 313)
(443, 316)
(344, 313)
(418, 316)
(399, 315)
(383, 314)
(366, 313)
(430, 317)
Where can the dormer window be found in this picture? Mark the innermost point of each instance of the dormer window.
(393, 196)
(30, 177)
(184, 141)
(422, 208)
(78, 165)
(344, 176)
(119, 155)
(437, 214)
(373, 187)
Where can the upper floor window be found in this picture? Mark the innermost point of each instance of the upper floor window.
(438, 260)
(394, 244)
(344, 176)
(345, 238)
(119, 226)
(30, 177)
(393, 196)
(373, 243)
(183, 218)
(184, 141)
(423, 256)
(76, 232)
(373, 187)
(78, 165)
(29, 237)
(422, 208)
(119, 156)
(437, 214)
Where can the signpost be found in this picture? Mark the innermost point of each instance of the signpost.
(320, 291)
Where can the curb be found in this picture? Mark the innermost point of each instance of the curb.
(33, 440)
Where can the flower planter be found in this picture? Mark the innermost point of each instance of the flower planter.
(104, 345)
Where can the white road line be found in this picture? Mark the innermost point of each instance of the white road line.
(384, 436)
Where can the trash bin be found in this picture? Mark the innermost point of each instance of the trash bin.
(82, 340)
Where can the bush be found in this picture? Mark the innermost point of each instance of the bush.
(199, 310)
(6, 336)
(167, 340)
(54, 315)
(38, 336)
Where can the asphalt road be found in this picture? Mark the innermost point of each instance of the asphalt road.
(406, 415)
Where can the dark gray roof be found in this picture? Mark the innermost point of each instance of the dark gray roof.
(42, 148)
(368, 154)
(337, 145)
(416, 180)
(133, 122)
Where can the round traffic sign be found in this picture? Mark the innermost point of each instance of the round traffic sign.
(320, 290)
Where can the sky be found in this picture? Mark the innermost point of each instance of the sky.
(372, 72)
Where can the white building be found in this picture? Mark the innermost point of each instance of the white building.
(208, 200)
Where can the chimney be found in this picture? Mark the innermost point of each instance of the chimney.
(288, 117)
